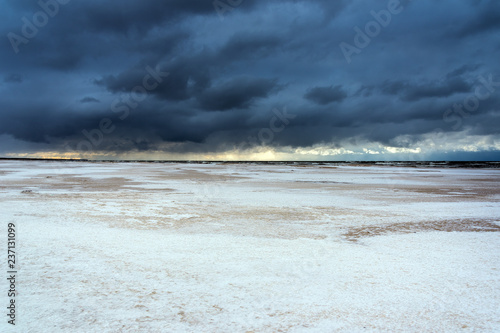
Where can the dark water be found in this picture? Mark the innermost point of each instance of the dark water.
(416, 164)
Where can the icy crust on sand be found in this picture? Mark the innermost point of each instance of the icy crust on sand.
(249, 248)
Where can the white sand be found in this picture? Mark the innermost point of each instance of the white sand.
(250, 248)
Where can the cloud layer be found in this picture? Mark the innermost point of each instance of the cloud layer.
(183, 77)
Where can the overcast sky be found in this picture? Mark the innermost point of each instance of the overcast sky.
(250, 79)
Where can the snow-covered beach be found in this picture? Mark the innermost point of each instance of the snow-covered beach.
(152, 247)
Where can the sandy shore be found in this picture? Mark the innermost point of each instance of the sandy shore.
(107, 247)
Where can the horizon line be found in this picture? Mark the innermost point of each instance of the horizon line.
(241, 161)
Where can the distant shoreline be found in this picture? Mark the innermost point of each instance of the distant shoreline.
(422, 164)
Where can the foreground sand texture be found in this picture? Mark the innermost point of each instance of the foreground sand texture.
(149, 247)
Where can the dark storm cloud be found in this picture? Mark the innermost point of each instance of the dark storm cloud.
(462, 70)
(13, 78)
(326, 95)
(238, 93)
(228, 71)
(246, 45)
(485, 19)
(89, 99)
(409, 91)
(186, 77)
